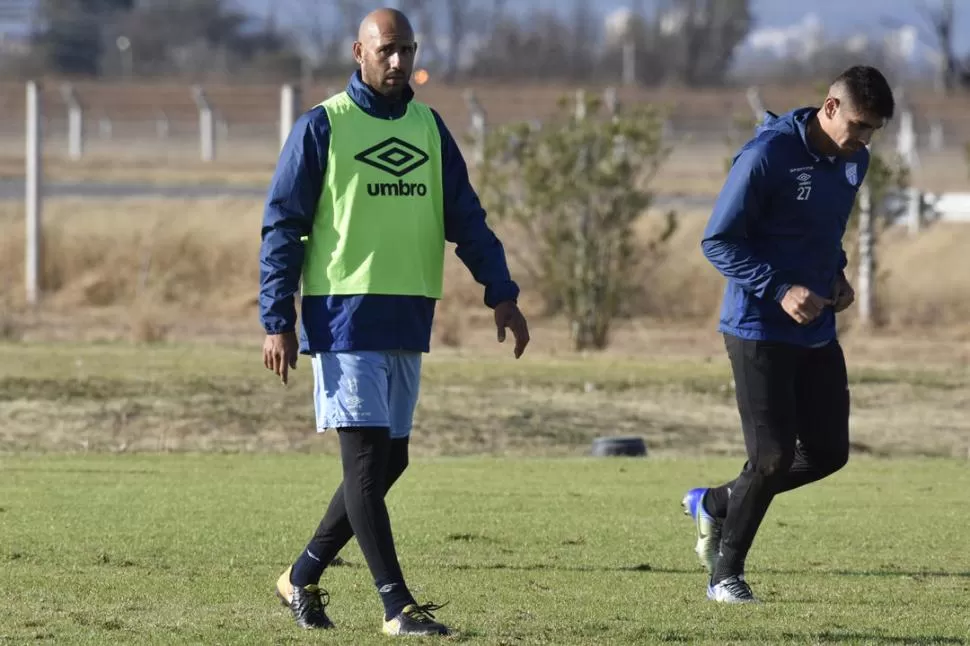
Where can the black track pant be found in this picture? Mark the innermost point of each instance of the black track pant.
(372, 462)
(794, 406)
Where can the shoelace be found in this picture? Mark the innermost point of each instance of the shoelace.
(738, 587)
(422, 614)
(313, 598)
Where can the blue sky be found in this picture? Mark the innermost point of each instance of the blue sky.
(838, 17)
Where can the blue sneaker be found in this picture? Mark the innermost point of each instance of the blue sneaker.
(708, 528)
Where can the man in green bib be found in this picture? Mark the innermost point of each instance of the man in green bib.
(369, 186)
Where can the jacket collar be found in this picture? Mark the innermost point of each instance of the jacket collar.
(376, 104)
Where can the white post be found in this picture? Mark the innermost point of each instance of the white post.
(906, 140)
(936, 136)
(914, 210)
(866, 260)
(75, 122)
(161, 124)
(755, 102)
(612, 101)
(668, 133)
(580, 105)
(629, 72)
(207, 131)
(289, 105)
(33, 196)
(477, 113)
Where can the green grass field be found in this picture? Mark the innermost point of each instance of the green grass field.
(186, 549)
(153, 493)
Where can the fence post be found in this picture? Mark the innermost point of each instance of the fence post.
(478, 127)
(75, 122)
(162, 125)
(906, 139)
(289, 107)
(207, 131)
(32, 256)
(866, 259)
(754, 101)
(612, 102)
(629, 71)
(936, 136)
(580, 105)
(584, 323)
(914, 210)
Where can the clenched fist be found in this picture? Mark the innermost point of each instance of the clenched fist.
(803, 305)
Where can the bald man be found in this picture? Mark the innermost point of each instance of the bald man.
(369, 186)
(776, 236)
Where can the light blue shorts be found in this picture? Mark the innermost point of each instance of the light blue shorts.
(378, 389)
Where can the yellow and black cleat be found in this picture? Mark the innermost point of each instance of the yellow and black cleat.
(416, 620)
(307, 603)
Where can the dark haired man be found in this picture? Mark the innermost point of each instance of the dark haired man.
(776, 235)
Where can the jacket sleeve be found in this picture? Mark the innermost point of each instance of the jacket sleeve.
(290, 208)
(476, 245)
(741, 203)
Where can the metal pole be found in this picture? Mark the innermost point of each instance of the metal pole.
(207, 131)
(629, 70)
(75, 122)
(914, 209)
(289, 105)
(32, 257)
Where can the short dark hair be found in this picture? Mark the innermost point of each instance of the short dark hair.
(868, 90)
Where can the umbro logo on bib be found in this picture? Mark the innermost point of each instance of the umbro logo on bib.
(398, 158)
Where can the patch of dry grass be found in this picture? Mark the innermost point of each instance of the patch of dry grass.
(174, 397)
(195, 253)
(156, 268)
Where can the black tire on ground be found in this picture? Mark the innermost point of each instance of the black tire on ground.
(618, 446)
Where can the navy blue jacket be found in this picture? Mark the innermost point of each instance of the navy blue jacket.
(364, 322)
(778, 222)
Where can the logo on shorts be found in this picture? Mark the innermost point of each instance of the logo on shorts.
(398, 158)
(352, 400)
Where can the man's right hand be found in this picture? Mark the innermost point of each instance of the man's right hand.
(280, 352)
(803, 305)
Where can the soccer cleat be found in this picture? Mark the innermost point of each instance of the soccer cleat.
(733, 589)
(416, 620)
(708, 528)
(307, 603)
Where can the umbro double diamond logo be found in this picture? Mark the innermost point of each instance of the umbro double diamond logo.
(398, 158)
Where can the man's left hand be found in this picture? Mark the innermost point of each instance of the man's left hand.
(844, 295)
(507, 315)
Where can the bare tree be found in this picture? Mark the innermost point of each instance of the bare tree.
(581, 54)
(495, 16)
(941, 19)
(705, 33)
(458, 19)
(422, 12)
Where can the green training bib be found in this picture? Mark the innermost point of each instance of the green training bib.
(379, 225)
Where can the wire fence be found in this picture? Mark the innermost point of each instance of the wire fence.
(162, 120)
